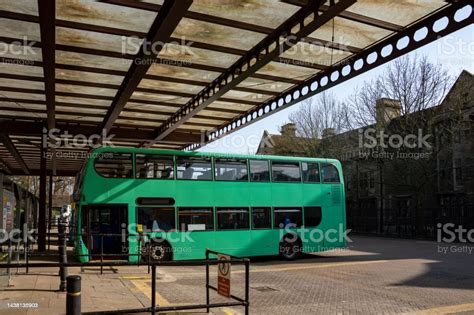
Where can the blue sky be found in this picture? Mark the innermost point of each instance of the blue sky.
(454, 52)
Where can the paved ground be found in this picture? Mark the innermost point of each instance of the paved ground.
(373, 276)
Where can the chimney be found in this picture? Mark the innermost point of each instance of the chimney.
(288, 130)
(387, 109)
(328, 132)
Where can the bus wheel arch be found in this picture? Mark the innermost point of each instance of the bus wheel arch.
(160, 250)
(290, 246)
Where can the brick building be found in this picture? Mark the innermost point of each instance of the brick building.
(399, 190)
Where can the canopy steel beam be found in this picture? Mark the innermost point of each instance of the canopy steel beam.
(380, 53)
(47, 16)
(302, 23)
(14, 152)
(160, 31)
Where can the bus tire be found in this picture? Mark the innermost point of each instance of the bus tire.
(290, 247)
(160, 251)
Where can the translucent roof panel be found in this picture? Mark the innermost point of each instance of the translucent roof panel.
(226, 105)
(103, 14)
(350, 33)
(21, 84)
(78, 100)
(182, 72)
(264, 84)
(25, 96)
(85, 90)
(288, 71)
(247, 96)
(216, 34)
(314, 55)
(160, 108)
(88, 77)
(87, 60)
(170, 86)
(21, 69)
(159, 97)
(402, 12)
(22, 31)
(188, 54)
(215, 113)
(126, 114)
(94, 40)
(275, 12)
(20, 6)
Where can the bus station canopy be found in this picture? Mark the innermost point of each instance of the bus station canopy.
(179, 74)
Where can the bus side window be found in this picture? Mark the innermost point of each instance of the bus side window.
(154, 166)
(231, 169)
(261, 218)
(288, 217)
(156, 219)
(286, 171)
(310, 172)
(195, 219)
(329, 173)
(116, 165)
(232, 218)
(194, 168)
(259, 171)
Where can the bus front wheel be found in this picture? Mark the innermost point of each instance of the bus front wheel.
(160, 252)
(290, 249)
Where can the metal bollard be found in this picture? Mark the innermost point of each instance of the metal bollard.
(62, 257)
(73, 295)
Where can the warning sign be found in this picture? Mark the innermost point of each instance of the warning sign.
(223, 275)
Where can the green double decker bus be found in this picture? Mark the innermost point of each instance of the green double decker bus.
(172, 205)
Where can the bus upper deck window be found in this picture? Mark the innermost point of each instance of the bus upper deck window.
(286, 171)
(231, 169)
(310, 172)
(194, 168)
(329, 173)
(259, 171)
(154, 166)
(114, 165)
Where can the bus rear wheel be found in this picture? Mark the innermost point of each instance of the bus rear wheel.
(290, 249)
(160, 252)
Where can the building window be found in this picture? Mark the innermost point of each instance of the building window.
(259, 171)
(114, 165)
(231, 169)
(195, 219)
(310, 172)
(286, 171)
(194, 168)
(288, 217)
(261, 218)
(329, 173)
(156, 219)
(154, 166)
(312, 216)
(232, 218)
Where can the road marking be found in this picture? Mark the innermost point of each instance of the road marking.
(143, 287)
(228, 311)
(135, 277)
(445, 309)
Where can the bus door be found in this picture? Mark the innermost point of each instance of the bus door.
(104, 229)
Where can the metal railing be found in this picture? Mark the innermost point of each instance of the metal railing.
(153, 309)
(63, 264)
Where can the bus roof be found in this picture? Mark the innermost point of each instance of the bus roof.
(212, 154)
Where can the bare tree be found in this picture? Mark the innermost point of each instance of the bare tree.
(315, 117)
(416, 82)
